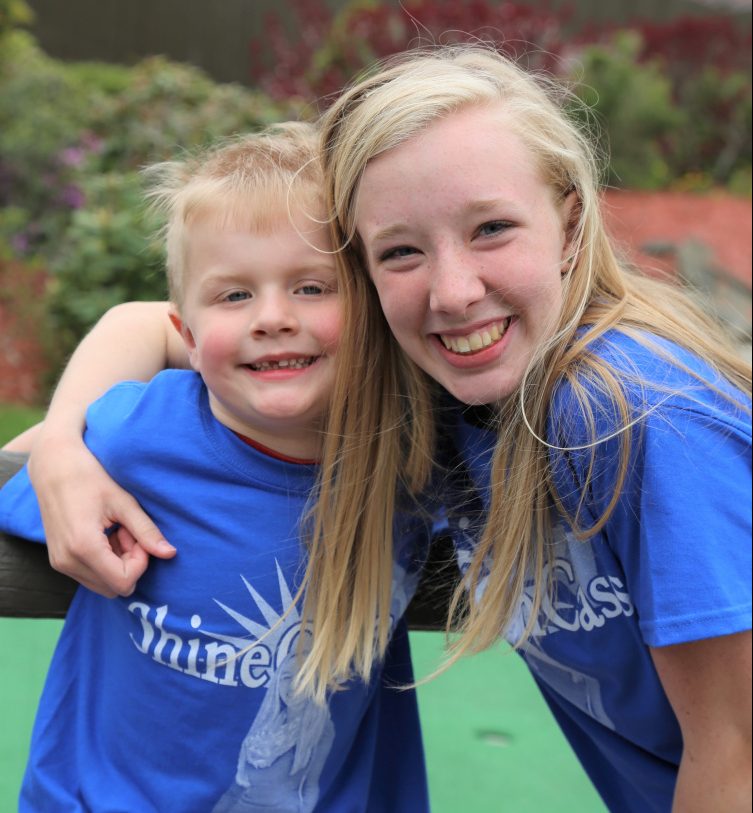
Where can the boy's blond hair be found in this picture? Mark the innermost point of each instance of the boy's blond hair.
(252, 181)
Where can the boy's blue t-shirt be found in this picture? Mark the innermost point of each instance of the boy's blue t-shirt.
(179, 697)
(672, 564)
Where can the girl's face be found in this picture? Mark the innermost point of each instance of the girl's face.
(466, 246)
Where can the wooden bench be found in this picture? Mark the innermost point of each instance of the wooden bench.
(30, 588)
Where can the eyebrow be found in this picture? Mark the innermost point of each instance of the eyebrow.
(390, 232)
(474, 208)
(222, 277)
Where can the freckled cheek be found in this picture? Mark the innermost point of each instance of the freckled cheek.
(404, 315)
(402, 306)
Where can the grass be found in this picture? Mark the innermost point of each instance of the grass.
(488, 733)
(15, 419)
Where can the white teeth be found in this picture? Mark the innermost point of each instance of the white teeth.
(284, 364)
(477, 340)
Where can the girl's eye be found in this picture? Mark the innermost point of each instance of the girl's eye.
(397, 253)
(493, 228)
(237, 296)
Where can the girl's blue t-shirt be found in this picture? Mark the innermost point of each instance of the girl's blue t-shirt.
(672, 564)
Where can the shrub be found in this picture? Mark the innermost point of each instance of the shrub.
(42, 112)
(706, 60)
(323, 51)
(72, 140)
(633, 104)
(673, 98)
(108, 255)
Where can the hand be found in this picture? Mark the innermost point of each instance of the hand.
(78, 501)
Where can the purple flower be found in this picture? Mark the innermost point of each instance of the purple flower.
(92, 142)
(72, 196)
(20, 243)
(72, 156)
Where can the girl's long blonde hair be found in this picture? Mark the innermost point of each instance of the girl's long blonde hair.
(373, 116)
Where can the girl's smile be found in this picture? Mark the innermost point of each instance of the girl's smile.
(466, 248)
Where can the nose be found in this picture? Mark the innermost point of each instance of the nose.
(274, 314)
(456, 281)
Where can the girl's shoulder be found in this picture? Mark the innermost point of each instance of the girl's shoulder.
(625, 376)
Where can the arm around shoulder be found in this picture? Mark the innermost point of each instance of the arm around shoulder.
(77, 498)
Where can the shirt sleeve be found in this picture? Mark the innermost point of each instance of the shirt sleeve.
(681, 529)
(19, 508)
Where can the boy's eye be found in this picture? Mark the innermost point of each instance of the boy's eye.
(237, 296)
(493, 227)
(311, 289)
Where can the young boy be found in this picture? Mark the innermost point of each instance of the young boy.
(181, 697)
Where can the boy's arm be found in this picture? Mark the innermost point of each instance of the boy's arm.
(77, 498)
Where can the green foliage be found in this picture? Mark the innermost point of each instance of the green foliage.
(167, 107)
(108, 254)
(17, 419)
(672, 96)
(662, 130)
(73, 137)
(42, 111)
(14, 13)
(717, 138)
(633, 104)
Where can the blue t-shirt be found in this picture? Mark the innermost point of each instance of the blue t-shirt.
(672, 564)
(178, 698)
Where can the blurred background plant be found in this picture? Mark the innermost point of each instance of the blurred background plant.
(73, 137)
(671, 98)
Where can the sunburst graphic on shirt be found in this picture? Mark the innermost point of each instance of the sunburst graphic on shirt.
(274, 631)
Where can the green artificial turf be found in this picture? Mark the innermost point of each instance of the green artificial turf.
(14, 419)
(491, 744)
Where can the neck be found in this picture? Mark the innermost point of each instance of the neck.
(298, 439)
(278, 455)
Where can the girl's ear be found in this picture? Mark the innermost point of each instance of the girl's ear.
(571, 211)
(185, 334)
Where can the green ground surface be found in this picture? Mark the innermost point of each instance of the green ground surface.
(491, 744)
(14, 419)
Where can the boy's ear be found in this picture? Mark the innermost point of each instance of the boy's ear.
(185, 334)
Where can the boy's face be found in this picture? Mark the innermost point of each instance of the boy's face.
(261, 319)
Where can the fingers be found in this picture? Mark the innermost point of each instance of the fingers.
(143, 532)
(78, 501)
(111, 565)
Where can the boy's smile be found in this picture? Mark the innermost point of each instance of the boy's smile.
(261, 319)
